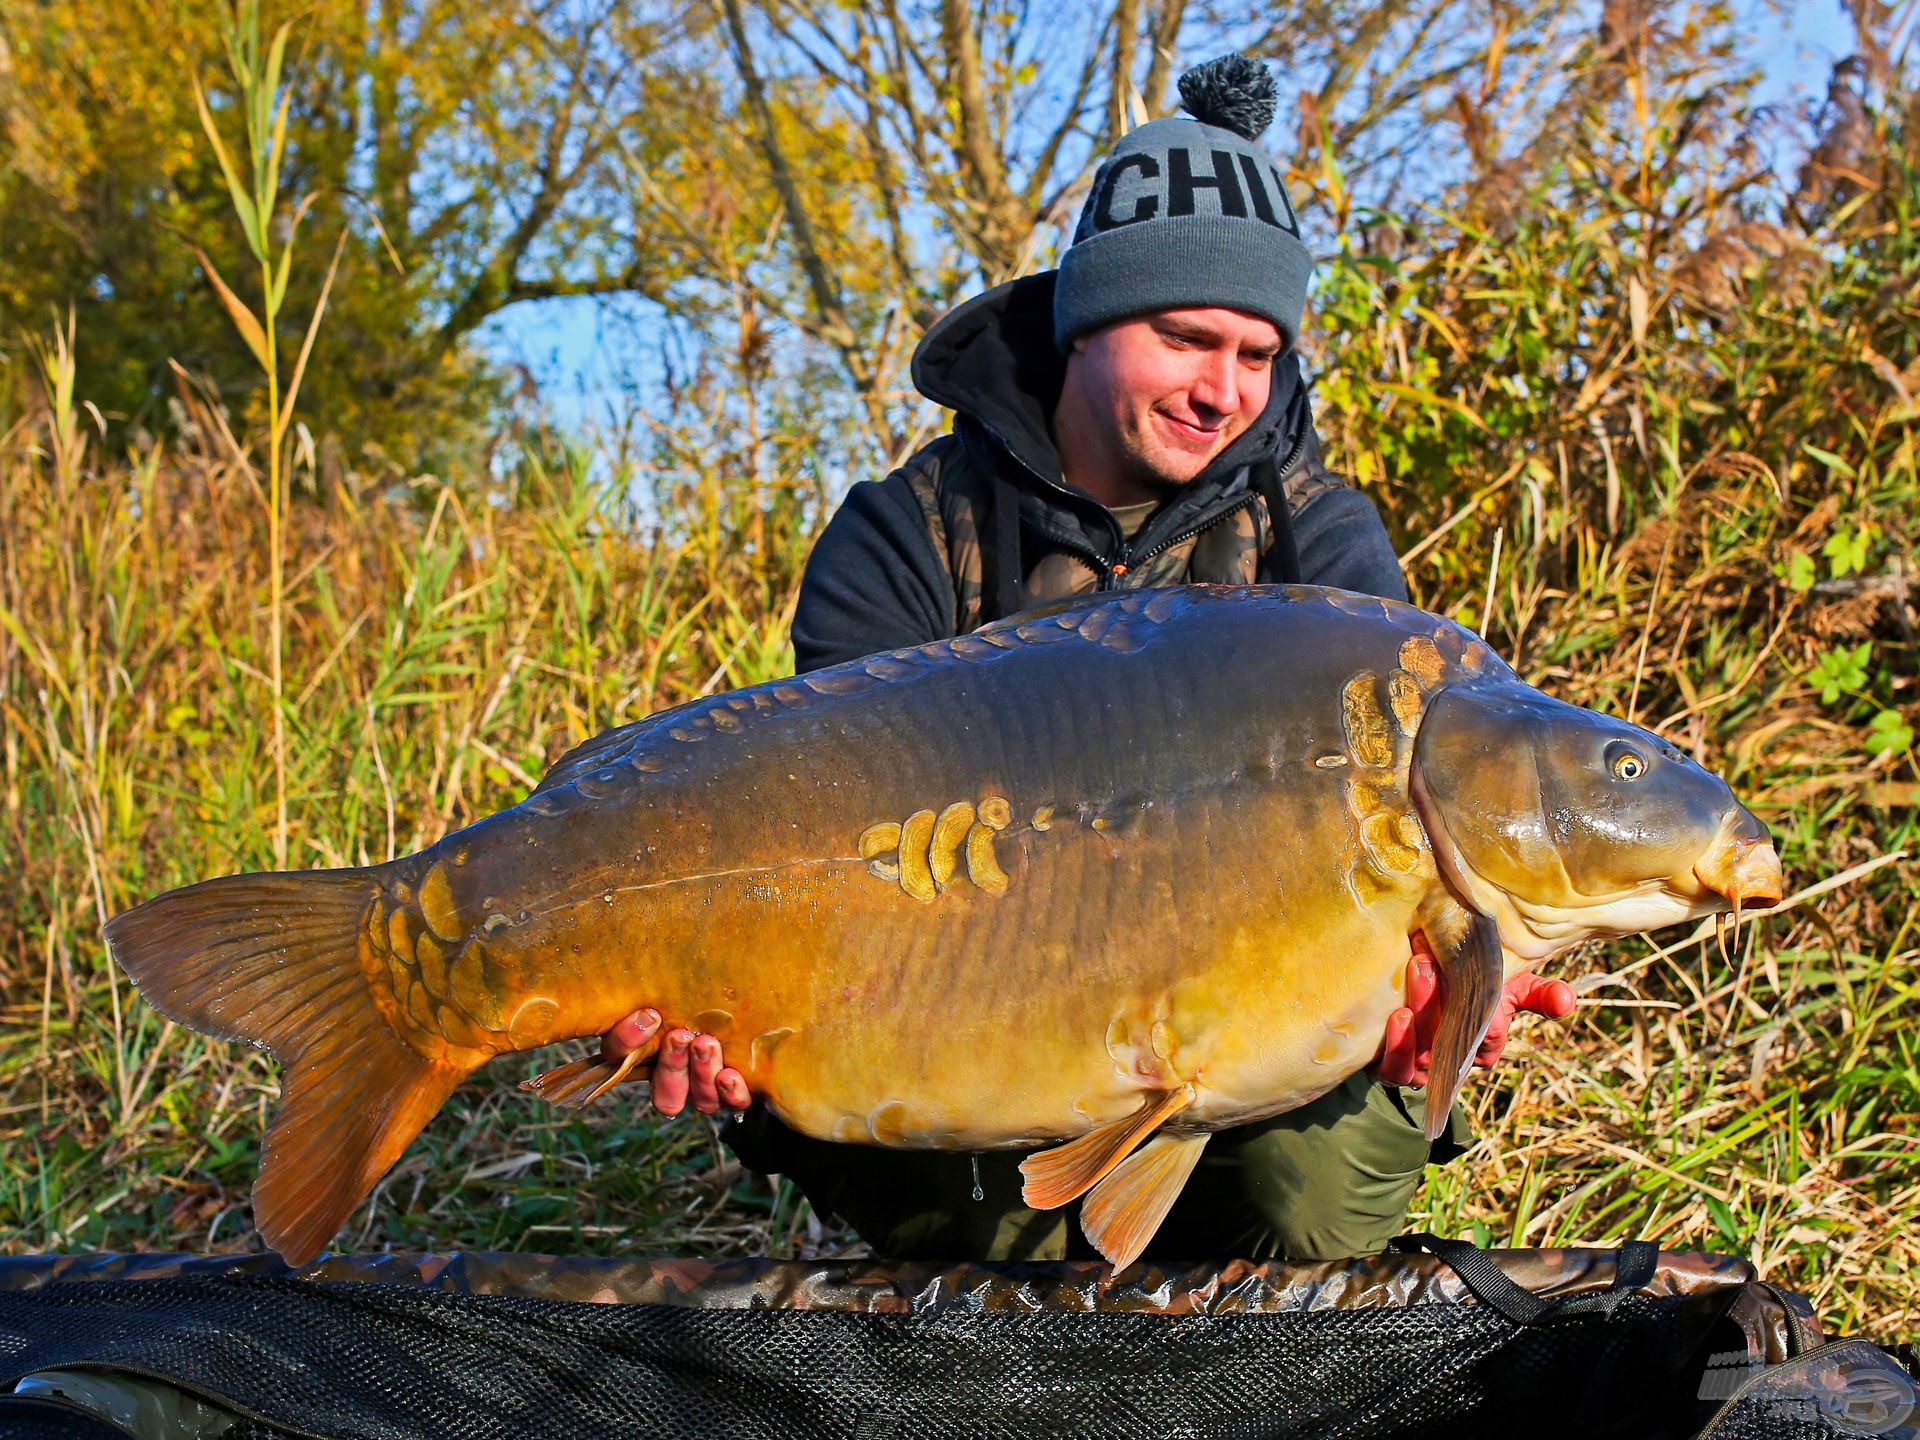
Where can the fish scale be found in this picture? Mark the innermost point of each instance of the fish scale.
(1164, 848)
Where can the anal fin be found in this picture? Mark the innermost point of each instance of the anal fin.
(1124, 1210)
(1066, 1172)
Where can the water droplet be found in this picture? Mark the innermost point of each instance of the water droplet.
(979, 1191)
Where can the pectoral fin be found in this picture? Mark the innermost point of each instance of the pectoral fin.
(1124, 1210)
(1066, 1172)
(1466, 946)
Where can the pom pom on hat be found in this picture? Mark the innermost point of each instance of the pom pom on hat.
(1233, 92)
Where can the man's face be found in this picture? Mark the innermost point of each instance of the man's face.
(1175, 388)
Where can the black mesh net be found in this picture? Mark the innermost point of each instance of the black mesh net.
(1398, 1349)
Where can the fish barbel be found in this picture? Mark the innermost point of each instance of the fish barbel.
(1166, 847)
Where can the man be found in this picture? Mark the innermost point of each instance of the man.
(1135, 418)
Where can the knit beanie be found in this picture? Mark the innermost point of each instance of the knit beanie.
(1189, 212)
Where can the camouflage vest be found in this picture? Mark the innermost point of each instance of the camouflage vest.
(956, 500)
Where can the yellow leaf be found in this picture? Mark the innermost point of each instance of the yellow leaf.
(1637, 308)
(1448, 330)
(243, 319)
(1442, 402)
(306, 345)
(243, 205)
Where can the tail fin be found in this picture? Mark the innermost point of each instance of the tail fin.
(273, 959)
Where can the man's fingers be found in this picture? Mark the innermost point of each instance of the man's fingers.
(1423, 980)
(630, 1034)
(1404, 1057)
(670, 1079)
(732, 1086)
(1423, 994)
(1551, 998)
(706, 1068)
(1395, 1061)
(1495, 1041)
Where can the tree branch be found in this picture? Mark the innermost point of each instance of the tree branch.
(825, 290)
(1166, 31)
(1126, 37)
(983, 171)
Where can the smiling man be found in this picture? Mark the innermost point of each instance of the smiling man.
(1151, 402)
(1135, 418)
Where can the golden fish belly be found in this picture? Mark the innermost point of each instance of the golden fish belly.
(1259, 984)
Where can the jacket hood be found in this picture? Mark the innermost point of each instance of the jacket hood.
(993, 361)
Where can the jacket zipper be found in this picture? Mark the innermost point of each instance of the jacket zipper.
(1127, 561)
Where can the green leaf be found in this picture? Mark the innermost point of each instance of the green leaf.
(243, 205)
(276, 147)
(1889, 731)
(1846, 550)
(1723, 1220)
(1829, 459)
(276, 58)
(279, 291)
(1841, 670)
(1800, 571)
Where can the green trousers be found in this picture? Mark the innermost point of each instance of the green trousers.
(1328, 1180)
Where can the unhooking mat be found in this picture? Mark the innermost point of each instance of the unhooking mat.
(1432, 1339)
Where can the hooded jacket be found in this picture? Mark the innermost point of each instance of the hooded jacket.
(923, 554)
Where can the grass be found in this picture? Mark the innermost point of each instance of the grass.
(444, 651)
(1695, 507)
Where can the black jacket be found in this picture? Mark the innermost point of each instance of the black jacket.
(877, 580)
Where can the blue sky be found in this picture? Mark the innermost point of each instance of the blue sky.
(595, 359)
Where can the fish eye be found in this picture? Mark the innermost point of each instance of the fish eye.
(1625, 763)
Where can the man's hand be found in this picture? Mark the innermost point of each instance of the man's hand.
(688, 1065)
(1406, 1054)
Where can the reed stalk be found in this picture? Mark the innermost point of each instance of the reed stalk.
(256, 73)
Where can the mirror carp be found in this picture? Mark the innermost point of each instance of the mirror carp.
(1093, 881)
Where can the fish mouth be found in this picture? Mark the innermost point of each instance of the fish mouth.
(1745, 870)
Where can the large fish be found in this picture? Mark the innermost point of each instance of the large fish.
(1164, 848)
